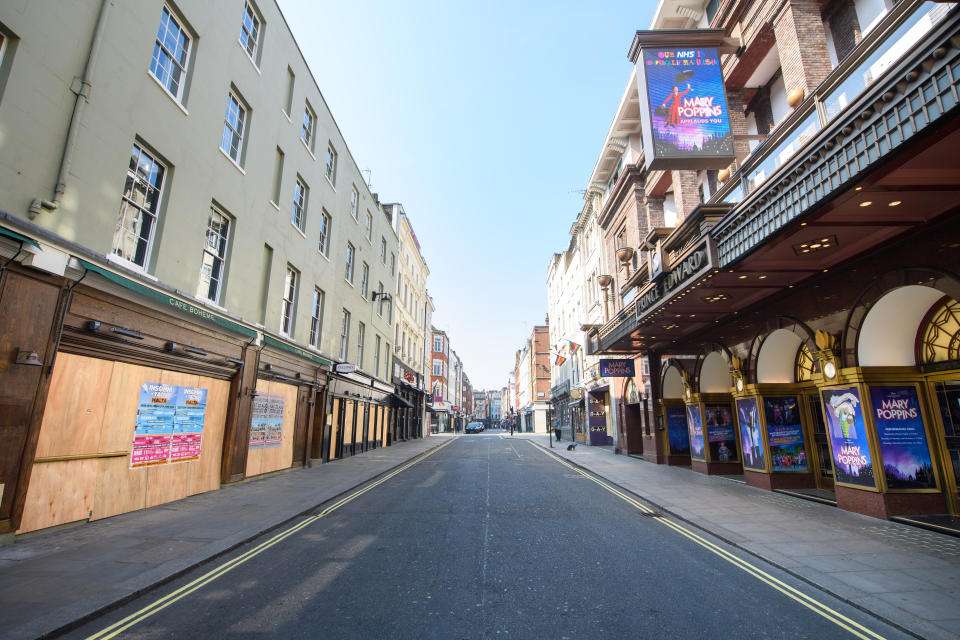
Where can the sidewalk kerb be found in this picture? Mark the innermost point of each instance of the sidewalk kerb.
(193, 563)
(718, 536)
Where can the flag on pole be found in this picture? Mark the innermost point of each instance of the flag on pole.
(560, 360)
(573, 347)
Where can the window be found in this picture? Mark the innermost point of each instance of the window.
(170, 55)
(299, 214)
(331, 169)
(344, 333)
(355, 203)
(369, 227)
(380, 299)
(376, 356)
(348, 273)
(139, 208)
(364, 280)
(383, 251)
(250, 31)
(437, 367)
(309, 127)
(291, 81)
(361, 334)
(324, 243)
(393, 264)
(438, 344)
(316, 317)
(289, 302)
(233, 128)
(214, 256)
(277, 176)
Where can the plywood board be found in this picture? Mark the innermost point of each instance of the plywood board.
(334, 426)
(275, 458)
(123, 401)
(75, 408)
(51, 500)
(207, 474)
(348, 426)
(119, 488)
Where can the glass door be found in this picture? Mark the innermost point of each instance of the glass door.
(948, 401)
(820, 444)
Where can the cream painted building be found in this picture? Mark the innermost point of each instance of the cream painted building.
(199, 160)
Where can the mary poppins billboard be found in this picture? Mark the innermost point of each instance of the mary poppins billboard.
(683, 109)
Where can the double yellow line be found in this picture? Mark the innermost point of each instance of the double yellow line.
(816, 606)
(135, 618)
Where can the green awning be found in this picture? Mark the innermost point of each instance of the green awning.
(278, 344)
(180, 306)
(17, 236)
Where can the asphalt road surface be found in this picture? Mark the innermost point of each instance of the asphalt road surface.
(487, 537)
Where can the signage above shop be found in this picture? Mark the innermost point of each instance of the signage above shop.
(693, 266)
(683, 108)
(345, 368)
(619, 368)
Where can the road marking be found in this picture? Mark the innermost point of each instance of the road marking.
(135, 618)
(814, 605)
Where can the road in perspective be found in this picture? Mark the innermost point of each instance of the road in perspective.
(487, 537)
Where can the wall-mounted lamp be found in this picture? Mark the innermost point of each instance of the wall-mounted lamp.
(170, 346)
(32, 358)
(130, 333)
(233, 361)
(93, 325)
(194, 350)
(268, 367)
(381, 294)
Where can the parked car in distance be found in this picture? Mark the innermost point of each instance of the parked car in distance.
(474, 427)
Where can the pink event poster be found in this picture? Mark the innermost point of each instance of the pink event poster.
(169, 425)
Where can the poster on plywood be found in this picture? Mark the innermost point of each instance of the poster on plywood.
(266, 421)
(169, 425)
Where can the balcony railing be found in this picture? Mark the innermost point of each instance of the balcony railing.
(902, 28)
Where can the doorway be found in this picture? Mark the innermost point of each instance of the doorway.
(948, 403)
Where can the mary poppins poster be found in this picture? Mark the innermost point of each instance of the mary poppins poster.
(848, 437)
(687, 104)
(903, 442)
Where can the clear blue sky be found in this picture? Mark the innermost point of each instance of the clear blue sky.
(484, 120)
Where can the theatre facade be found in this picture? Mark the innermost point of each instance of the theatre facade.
(802, 324)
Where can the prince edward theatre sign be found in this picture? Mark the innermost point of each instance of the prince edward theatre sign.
(693, 266)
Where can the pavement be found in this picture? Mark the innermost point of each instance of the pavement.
(53, 579)
(908, 577)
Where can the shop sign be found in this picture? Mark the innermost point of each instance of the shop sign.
(169, 425)
(785, 434)
(695, 425)
(345, 368)
(677, 432)
(266, 421)
(616, 368)
(721, 439)
(903, 441)
(669, 282)
(409, 377)
(751, 441)
(848, 437)
(683, 109)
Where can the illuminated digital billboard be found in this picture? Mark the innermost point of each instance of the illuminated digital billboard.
(684, 114)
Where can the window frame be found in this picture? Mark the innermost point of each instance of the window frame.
(323, 239)
(288, 301)
(351, 263)
(125, 202)
(383, 250)
(344, 333)
(361, 338)
(251, 9)
(369, 227)
(308, 132)
(316, 316)
(243, 113)
(376, 355)
(355, 202)
(179, 96)
(300, 206)
(364, 280)
(330, 168)
(223, 259)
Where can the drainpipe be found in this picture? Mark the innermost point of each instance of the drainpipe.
(83, 95)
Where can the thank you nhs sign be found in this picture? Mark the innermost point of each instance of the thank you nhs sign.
(620, 368)
(683, 109)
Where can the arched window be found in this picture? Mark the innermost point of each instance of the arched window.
(940, 340)
(806, 364)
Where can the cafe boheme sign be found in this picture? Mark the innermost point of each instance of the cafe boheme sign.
(691, 267)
